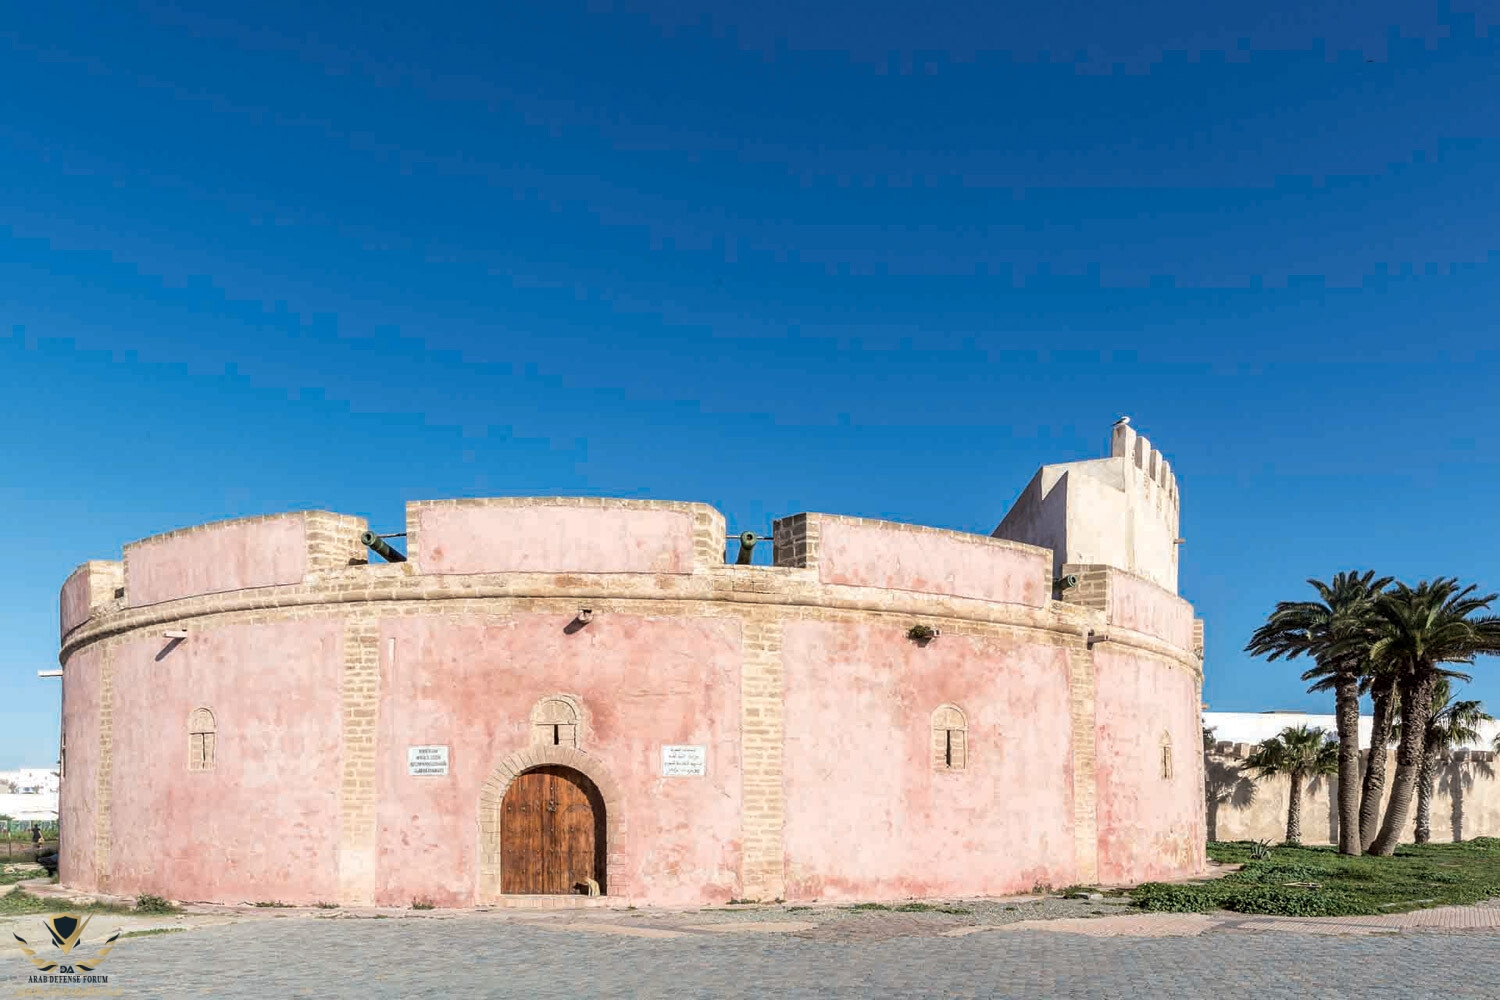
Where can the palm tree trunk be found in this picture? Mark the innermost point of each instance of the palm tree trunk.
(1294, 811)
(1346, 696)
(1416, 709)
(1374, 781)
(1424, 796)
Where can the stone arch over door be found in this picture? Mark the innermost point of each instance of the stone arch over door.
(492, 799)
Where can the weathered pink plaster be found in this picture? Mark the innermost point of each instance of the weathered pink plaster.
(479, 538)
(1137, 603)
(867, 815)
(263, 824)
(863, 812)
(1149, 826)
(73, 601)
(230, 555)
(643, 683)
(76, 813)
(877, 555)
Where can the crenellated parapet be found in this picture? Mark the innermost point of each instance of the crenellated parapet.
(593, 550)
(1153, 473)
(1120, 511)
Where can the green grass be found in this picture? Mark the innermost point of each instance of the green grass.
(422, 904)
(1320, 882)
(153, 931)
(327, 906)
(272, 904)
(20, 903)
(869, 906)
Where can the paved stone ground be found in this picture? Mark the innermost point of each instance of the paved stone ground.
(475, 955)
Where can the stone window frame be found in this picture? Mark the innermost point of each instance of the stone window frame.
(203, 739)
(557, 721)
(950, 739)
(1165, 763)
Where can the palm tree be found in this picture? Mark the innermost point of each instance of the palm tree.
(1453, 723)
(1297, 752)
(1379, 682)
(1328, 630)
(1420, 629)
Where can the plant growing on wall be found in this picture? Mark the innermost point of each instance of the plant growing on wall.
(921, 633)
(1299, 752)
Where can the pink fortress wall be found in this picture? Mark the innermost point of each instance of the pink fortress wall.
(73, 602)
(231, 555)
(867, 816)
(933, 562)
(862, 811)
(264, 823)
(76, 812)
(643, 682)
(554, 539)
(1139, 604)
(1149, 827)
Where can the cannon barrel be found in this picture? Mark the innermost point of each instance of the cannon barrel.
(747, 548)
(381, 547)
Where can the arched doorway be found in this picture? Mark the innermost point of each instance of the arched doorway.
(552, 833)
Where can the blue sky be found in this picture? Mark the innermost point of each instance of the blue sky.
(882, 259)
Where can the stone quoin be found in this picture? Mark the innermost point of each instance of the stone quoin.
(587, 696)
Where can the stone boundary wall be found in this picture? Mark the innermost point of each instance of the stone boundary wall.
(1465, 803)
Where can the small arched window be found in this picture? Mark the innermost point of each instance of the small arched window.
(950, 738)
(554, 722)
(1166, 755)
(202, 735)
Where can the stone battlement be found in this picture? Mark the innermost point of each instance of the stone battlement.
(600, 548)
(1121, 511)
(1155, 471)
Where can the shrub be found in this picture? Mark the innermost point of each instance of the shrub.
(147, 903)
(423, 904)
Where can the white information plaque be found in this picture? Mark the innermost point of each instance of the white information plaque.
(427, 760)
(684, 762)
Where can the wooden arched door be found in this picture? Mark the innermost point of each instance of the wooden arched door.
(551, 833)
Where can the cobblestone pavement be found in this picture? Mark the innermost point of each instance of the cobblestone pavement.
(473, 955)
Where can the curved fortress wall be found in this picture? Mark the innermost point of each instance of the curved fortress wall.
(267, 751)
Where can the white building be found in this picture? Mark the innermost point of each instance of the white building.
(1256, 727)
(32, 780)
